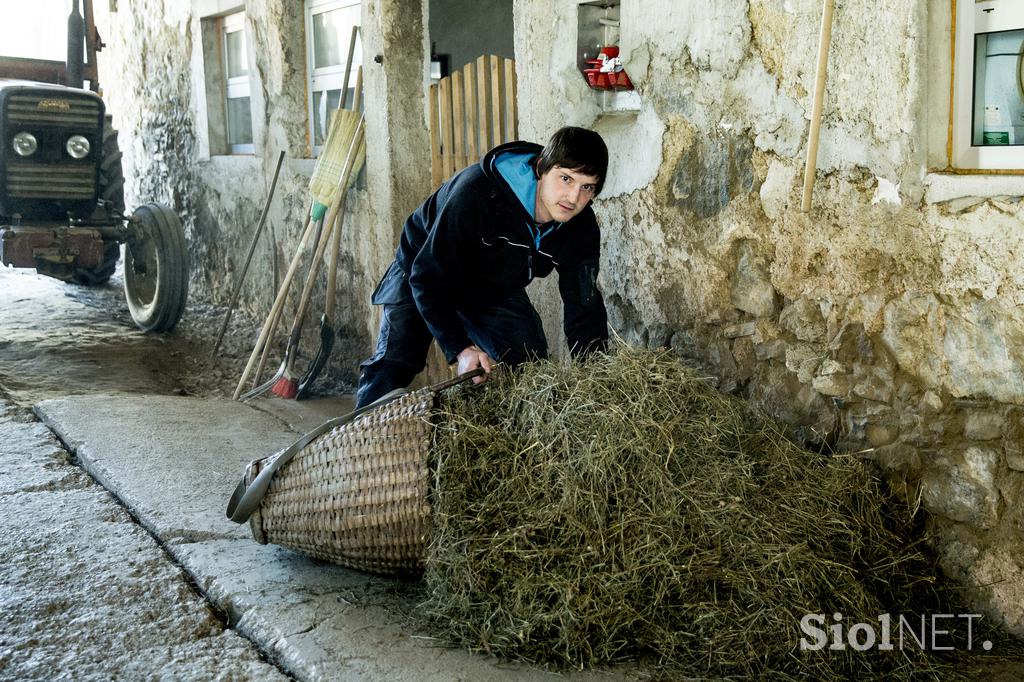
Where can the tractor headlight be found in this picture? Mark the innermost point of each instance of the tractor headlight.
(25, 144)
(77, 146)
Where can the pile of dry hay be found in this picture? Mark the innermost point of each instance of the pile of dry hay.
(623, 509)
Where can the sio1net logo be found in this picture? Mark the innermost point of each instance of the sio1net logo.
(932, 632)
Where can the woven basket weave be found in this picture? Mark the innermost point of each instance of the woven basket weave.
(358, 494)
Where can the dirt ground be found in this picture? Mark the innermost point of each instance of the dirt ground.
(59, 339)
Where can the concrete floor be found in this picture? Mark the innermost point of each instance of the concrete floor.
(118, 452)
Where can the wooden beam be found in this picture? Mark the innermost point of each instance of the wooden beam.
(472, 119)
(811, 167)
(482, 79)
(458, 123)
(510, 99)
(448, 159)
(436, 169)
(497, 103)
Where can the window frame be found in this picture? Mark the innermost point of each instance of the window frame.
(238, 86)
(969, 17)
(323, 78)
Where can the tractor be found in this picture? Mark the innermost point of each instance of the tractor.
(62, 209)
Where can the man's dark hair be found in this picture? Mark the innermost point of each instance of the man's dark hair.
(576, 149)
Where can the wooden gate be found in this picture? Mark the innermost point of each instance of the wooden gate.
(471, 111)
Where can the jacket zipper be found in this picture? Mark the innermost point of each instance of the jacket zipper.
(537, 236)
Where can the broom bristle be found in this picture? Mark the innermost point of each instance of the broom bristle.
(285, 387)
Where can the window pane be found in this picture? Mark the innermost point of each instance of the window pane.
(998, 95)
(239, 121)
(332, 31)
(324, 102)
(238, 62)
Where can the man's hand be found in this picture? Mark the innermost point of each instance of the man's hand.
(472, 357)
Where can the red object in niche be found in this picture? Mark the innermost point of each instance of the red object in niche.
(595, 78)
(621, 81)
(609, 80)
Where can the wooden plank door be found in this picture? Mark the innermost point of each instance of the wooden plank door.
(471, 111)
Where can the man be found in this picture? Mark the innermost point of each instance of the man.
(468, 253)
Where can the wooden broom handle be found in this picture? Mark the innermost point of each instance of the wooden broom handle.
(819, 94)
(332, 265)
(330, 221)
(332, 271)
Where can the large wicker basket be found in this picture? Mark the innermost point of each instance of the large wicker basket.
(355, 493)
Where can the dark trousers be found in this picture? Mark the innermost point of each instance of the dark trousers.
(509, 331)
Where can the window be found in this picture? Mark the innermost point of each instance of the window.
(236, 87)
(988, 85)
(330, 41)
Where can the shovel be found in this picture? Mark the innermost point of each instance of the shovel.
(327, 318)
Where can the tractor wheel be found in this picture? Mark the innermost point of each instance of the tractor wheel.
(155, 268)
(111, 173)
(111, 190)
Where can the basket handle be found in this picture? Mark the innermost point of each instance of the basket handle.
(454, 381)
(246, 498)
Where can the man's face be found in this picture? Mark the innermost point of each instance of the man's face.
(562, 194)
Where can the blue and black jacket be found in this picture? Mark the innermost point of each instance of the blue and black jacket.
(474, 243)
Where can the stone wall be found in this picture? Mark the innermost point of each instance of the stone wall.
(884, 322)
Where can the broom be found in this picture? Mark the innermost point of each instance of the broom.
(286, 381)
(327, 190)
(327, 318)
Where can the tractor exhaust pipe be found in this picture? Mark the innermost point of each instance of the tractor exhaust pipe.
(76, 47)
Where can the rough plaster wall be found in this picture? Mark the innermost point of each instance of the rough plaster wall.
(154, 59)
(398, 148)
(398, 155)
(158, 138)
(878, 322)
